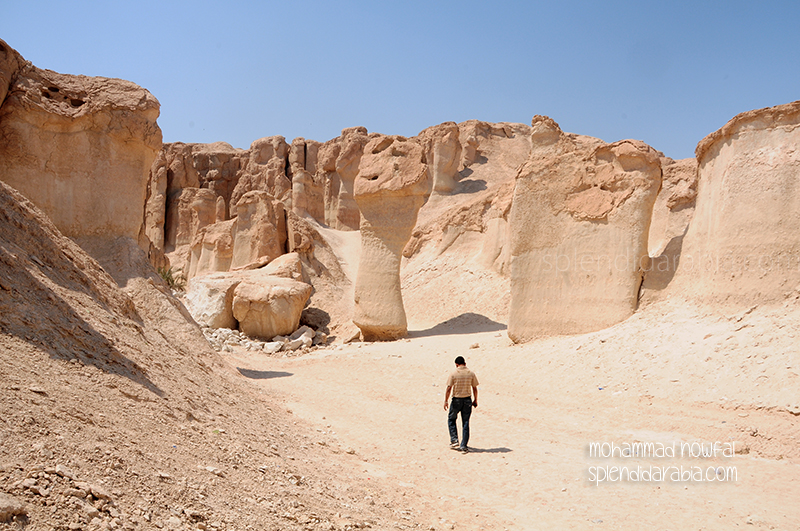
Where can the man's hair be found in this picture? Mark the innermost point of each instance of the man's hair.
(460, 361)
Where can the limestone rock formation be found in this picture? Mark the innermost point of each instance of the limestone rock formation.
(188, 211)
(209, 299)
(288, 265)
(392, 184)
(78, 147)
(212, 249)
(443, 155)
(263, 168)
(338, 164)
(672, 213)
(259, 230)
(269, 307)
(579, 225)
(458, 261)
(742, 246)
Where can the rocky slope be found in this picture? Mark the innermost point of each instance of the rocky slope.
(115, 413)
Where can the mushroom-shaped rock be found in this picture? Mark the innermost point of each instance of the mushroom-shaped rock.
(391, 186)
(269, 306)
(579, 223)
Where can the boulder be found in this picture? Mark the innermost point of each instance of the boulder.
(303, 337)
(742, 246)
(209, 299)
(269, 307)
(288, 265)
(80, 148)
(579, 222)
(392, 184)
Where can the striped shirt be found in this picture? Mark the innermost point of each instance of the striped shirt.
(462, 380)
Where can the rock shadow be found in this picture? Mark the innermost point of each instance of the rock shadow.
(470, 186)
(316, 318)
(466, 323)
(662, 268)
(262, 375)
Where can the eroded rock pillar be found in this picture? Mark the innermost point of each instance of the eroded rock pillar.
(391, 186)
(579, 222)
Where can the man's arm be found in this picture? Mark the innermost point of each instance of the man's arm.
(447, 395)
(475, 394)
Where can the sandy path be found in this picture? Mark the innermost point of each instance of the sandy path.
(530, 465)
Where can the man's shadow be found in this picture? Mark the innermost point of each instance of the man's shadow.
(500, 450)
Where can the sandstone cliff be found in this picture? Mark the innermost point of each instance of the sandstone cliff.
(742, 245)
(79, 147)
(579, 223)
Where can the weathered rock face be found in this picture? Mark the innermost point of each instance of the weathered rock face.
(264, 169)
(458, 261)
(579, 225)
(79, 147)
(259, 229)
(209, 299)
(338, 163)
(392, 184)
(307, 187)
(212, 249)
(255, 236)
(742, 246)
(672, 212)
(188, 211)
(269, 307)
(443, 155)
(10, 63)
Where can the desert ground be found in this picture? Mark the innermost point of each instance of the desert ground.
(542, 404)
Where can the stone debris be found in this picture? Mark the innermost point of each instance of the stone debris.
(93, 505)
(301, 340)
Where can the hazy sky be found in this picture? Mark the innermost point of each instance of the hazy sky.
(668, 73)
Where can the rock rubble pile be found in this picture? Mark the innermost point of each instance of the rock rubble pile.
(301, 341)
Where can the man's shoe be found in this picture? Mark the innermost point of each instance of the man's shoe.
(454, 445)
(463, 450)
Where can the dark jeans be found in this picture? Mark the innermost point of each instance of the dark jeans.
(463, 406)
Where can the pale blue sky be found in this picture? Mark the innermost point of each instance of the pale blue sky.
(667, 73)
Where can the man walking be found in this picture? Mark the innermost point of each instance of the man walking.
(464, 384)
